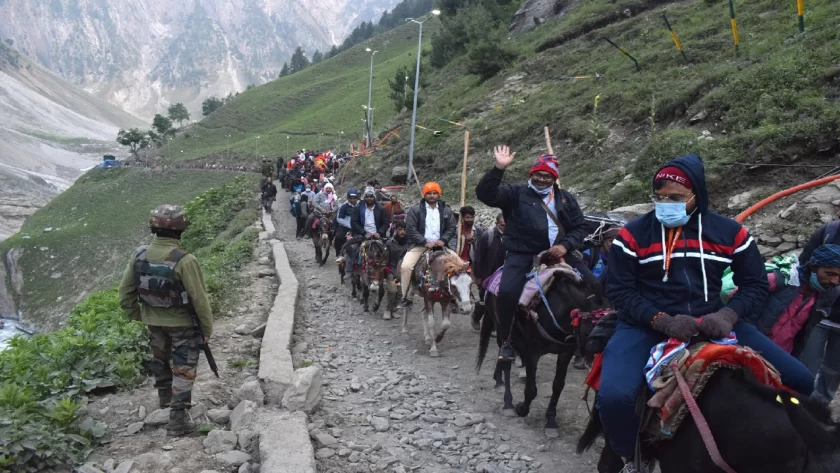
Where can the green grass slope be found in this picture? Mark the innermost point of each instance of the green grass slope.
(778, 103)
(325, 98)
(94, 225)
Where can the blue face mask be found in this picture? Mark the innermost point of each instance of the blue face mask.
(540, 192)
(671, 214)
(815, 283)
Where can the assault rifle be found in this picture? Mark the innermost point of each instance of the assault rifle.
(186, 303)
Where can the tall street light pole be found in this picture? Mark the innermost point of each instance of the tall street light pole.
(416, 87)
(370, 94)
(287, 145)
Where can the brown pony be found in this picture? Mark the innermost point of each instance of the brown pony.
(370, 276)
(322, 237)
(441, 278)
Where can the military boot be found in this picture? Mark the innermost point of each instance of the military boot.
(165, 397)
(179, 424)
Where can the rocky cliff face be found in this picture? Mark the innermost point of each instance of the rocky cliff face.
(143, 55)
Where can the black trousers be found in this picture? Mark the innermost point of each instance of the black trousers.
(517, 266)
(340, 238)
(301, 227)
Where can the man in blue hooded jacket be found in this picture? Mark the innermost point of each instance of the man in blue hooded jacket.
(664, 278)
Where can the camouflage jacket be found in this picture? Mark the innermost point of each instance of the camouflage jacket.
(187, 272)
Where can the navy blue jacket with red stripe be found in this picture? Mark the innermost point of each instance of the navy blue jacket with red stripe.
(636, 271)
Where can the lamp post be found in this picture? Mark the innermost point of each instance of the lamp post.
(416, 87)
(256, 143)
(370, 94)
(338, 148)
(287, 145)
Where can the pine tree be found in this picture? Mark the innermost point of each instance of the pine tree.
(299, 60)
(317, 57)
(285, 71)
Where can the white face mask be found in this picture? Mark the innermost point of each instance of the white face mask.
(541, 189)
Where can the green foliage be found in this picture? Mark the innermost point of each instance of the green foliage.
(43, 377)
(210, 105)
(163, 127)
(299, 61)
(317, 57)
(402, 88)
(134, 139)
(220, 238)
(178, 113)
(487, 53)
(285, 71)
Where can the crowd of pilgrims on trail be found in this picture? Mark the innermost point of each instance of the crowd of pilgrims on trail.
(676, 274)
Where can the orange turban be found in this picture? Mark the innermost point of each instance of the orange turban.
(432, 186)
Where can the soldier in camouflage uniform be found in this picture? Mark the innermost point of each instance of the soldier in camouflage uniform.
(267, 170)
(163, 287)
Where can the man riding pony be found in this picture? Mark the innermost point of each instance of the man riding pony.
(664, 278)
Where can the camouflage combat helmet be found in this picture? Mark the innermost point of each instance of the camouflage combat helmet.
(169, 217)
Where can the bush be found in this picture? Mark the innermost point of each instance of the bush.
(488, 56)
(43, 377)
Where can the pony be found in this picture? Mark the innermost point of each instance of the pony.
(322, 237)
(758, 429)
(444, 279)
(370, 276)
(534, 337)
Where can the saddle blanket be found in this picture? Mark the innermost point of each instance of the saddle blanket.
(697, 363)
(545, 276)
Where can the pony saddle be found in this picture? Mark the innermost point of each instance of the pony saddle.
(696, 363)
(538, 282)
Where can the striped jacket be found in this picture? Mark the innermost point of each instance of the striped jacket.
(708, 244)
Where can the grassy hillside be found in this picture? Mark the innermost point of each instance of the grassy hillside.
(326, 98)
(94, 226)
(778, 103)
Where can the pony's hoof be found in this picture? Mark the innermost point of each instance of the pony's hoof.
(434, 353)
(367, 310)
(439, 338)
(552, 433)
(499, 386)
(522, 411)
(509, 412)
(428, 341)
(523, 374)
(386, 316)
(404, 330)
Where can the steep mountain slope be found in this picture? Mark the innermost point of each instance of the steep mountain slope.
(50, 131)
(778, 103)
(310, 107)
(143, 55)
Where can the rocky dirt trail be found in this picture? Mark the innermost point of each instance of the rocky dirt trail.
(137, 441)
(388, 406)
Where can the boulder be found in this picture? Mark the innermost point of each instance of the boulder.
(325, 440)
(249, 441)
(266, 273)
(740, 201)
(823, 195)
(233, 458)
(785, 247)
(125, 467)
(219, 441)
(244, 416)
(198, 410)
(219, 416)
(158, 417)
(265, 260)
(135, 427)
(250, 391)
(788, 211)
(305, 392)
(258, 331)
(241, 330)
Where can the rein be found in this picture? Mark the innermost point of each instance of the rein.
(700, 422)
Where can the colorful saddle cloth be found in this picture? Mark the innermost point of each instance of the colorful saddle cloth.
(545, 276)
(698, 363)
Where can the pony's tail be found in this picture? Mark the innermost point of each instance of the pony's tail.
(487, 326)
(593, 430)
